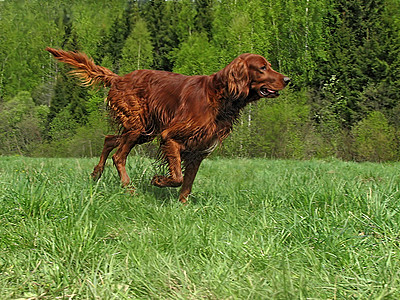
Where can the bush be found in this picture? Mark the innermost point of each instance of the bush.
(276, 128)
(69, 140)
(281, 128)
(63, 126)
(21, 124)
(196, 56)
(374, 139)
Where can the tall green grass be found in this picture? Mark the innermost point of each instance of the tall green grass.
(254, 229)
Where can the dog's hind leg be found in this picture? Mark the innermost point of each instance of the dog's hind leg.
(127, 142)
(110, 142)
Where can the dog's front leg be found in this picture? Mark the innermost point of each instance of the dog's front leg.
(172, 153)
(126, 143)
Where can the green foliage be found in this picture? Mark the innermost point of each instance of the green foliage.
(343, 58)
(111, 44)
(329, 112)
(96, 101)
(281, 127)
(26, 29)
(273, 128)
(296, 48)
(362, 44)
(375, 139)
(63, 125)
(184, 17)
(92, 19)
(238, 143)
(137, 51)
(195, 56)
(70, 140)
(22, 124)
(68, 94)
(239, 27)
(159, 15)
(204, 15)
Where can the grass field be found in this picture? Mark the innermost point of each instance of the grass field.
(254, 229)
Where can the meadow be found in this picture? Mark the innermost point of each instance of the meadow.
(254, 229)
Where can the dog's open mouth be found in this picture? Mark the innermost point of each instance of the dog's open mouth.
(266, 92)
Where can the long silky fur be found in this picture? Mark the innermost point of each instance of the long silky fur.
(190, 114)
(84, 68)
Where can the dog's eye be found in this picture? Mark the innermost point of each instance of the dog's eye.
(263, 68)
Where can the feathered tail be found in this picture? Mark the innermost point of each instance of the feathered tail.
(85, 69)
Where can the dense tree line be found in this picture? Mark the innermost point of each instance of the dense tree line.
(343, 58)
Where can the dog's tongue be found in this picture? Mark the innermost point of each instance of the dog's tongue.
(265, 92)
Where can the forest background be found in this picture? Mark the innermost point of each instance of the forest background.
(343, 57)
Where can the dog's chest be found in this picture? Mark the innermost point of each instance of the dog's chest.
(200, 150)
(214, 143)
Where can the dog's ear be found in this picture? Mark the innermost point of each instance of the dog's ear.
(238, 79)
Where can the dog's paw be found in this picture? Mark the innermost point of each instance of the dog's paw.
(163, 181)
(158, 181)
(96, 174)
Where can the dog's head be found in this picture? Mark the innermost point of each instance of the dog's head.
(252, 74)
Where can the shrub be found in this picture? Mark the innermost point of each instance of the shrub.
(69, 140)
(374, 139)
(21, 124)
(281, 127)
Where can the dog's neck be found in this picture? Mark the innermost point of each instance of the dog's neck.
(227, 107)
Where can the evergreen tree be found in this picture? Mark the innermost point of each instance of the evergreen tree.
(360, 56)
(158, 16)
(379, 61)
(26, 28)
(204, 16)
(195, 56)
(109, 51)
(183, 22)
(138, 51)
(67, 91)
(344, 55)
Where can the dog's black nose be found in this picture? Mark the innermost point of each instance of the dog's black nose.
(286, 80)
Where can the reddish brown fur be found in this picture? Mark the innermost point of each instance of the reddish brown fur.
(190, 114)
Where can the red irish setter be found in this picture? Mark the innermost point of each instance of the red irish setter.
(190, 114)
